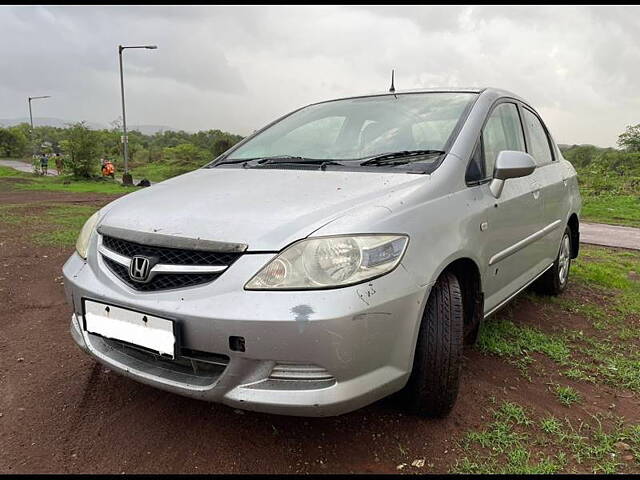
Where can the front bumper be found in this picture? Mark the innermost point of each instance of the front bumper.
(363, 336)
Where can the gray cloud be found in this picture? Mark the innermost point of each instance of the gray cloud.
(236, 68)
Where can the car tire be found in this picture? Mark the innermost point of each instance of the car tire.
(432, 388)
(554, 281)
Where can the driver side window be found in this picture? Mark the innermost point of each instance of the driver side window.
(503, 131)
(316, 136)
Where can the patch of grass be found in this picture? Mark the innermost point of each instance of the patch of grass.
(567, 395)
(613, 209)
(586, 358)
(501, 448)
(550, 425)
(9, 215)
(12, 172)
(512, 412)
(69, 184)
(64, 183)
(609, 363)
(157, 172)
(504, 338)
(55, 225)
(585, 307)
(578, 372)
(68, 220)
(614, 357)
(512, 444)
(605, 267)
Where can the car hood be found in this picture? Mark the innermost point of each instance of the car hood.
(263, 209)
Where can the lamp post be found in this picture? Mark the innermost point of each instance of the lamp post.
(126, 176)
(33, 146)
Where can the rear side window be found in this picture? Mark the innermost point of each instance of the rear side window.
(503, 131)
(539, 148)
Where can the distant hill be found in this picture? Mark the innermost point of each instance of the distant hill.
(61, 123)
(565, 146)
(47, 121)
(149, 129)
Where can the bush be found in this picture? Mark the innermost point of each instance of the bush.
(187, 155)
(81, 148)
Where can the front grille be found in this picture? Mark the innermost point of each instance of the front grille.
(162, 281)
(167, 256)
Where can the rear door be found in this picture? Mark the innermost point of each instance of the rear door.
(511, 261)
(549, 177)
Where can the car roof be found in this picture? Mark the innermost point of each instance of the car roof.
(489, 91)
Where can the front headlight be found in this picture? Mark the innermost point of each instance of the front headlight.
(330, 262)
(82, 244)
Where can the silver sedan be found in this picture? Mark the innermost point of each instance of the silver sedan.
(344, 252)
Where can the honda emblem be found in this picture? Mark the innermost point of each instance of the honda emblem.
(139, 268)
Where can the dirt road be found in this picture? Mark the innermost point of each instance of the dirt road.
(24, 166)
(61, 412)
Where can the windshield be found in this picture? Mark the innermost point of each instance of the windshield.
(362, 127)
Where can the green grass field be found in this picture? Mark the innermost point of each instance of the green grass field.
(63, 183)
(612, 209)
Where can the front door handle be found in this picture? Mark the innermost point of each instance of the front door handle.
(535, 190)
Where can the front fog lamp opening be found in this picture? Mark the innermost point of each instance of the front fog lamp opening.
(331, 262)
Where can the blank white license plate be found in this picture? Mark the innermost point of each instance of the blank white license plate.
(141, 329)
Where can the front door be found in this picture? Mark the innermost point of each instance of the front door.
(512, 259)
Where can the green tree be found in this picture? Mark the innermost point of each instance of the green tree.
(13, 142)
(82, 149)
(222, 146)
(630, 139)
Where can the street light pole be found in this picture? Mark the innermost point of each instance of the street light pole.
(126, 176)
(33, 146)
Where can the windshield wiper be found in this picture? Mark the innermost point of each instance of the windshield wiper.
(391, 158)
(290, 160)
(279, 159)
(259, 160)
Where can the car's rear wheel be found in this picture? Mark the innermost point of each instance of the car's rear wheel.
(433, 385)
(554, 281)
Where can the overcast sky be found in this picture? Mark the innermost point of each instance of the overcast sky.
(237, 68)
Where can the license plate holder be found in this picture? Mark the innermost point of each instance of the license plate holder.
(138, 329)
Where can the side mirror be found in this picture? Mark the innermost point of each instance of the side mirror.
(510, 164)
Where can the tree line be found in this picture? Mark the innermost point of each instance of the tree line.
(609, 170)
(82, 148)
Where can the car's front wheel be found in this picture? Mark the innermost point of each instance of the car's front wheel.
(433, 385)
(554, 281)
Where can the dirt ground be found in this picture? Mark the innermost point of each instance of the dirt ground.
(61, 412)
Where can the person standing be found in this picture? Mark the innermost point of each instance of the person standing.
(59, 163)
(44, 163)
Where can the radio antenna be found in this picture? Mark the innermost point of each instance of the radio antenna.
(393, 88)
